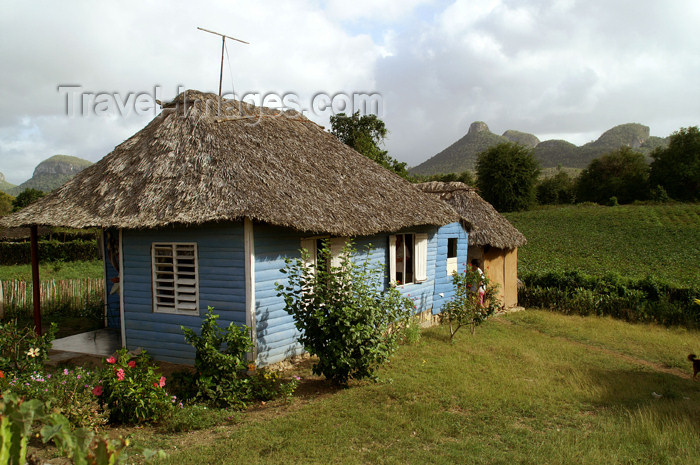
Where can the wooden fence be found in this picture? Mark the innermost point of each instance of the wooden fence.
(70, 296)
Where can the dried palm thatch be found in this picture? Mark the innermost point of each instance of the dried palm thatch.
(206, 160)
(488, 226)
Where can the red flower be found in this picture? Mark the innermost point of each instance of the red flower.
(111, 360)
(131, 364)
(120, 374)
(2, 375)
(97, 390)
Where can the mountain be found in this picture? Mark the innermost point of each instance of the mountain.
(51, 173)
(5, 186)
(462, 154)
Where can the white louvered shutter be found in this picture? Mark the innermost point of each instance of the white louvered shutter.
(392, 258)
(310, 246)
(421, 257)
(337, 244)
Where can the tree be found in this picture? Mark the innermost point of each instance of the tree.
(365, 134)
(622, 173)
(556, 190)
(677, 167)
(507, 175)
(465, 177)
(6, 201)
(26, 197)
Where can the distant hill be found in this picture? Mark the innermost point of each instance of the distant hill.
(5, 186)
(52, 173)
(462, 154)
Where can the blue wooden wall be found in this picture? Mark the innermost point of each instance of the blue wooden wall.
(112, 304)
(443, 281)
(221, 285)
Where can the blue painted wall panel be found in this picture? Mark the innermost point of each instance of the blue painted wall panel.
(220, 252)
(443, 281)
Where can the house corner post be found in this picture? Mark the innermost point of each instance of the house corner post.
(249, 245)
(36, 289)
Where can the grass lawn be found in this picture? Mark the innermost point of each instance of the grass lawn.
(57, 270)
(531, 387)
(632, 240)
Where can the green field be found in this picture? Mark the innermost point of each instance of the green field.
(662, 241)
(57, 270)
(532, 387)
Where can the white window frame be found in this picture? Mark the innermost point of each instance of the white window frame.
(336, 245)
(452, 261)
(186, 287)
(419, 258)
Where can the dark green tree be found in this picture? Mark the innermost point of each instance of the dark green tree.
(26, 197)
(365, 134)
(556, 189)
(507, 176)
(677, 167)
(465, 176)
(5, 203)
(623, 174)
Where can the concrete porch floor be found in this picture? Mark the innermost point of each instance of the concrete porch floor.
(101, 343)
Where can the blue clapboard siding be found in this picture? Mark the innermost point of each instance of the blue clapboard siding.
(443, 281)
(220, 251)
(276, 334)
(112, 304)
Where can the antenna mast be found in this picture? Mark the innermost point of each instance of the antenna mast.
(223, 46)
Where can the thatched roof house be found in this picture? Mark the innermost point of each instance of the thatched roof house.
(204, 160)
(202, 207)
(488, 227)
(492, 239)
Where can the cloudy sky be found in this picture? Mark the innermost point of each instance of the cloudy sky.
(556, 68)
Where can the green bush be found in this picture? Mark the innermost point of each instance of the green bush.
(465, 307)
(15, 253)
(645, 300)
(22, 351)
(343, 313)
(132, 389)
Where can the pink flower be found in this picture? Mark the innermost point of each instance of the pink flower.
(120, 374)
(131, 364)
(161, 383)
(111, 360)
(97, 390)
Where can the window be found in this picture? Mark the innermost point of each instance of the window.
(314, 244)
(451, 255)
(175, 279)
(408, 255)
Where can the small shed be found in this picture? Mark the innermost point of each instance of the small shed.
(492, 239)
(202, 207)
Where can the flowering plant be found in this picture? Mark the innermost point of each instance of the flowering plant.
(22, 351)
(132, 389)
(467, 307)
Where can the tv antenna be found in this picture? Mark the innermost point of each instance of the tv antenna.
(223, 47)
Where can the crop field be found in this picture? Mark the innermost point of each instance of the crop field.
(662, 241)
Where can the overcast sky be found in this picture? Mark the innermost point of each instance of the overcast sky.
(558, 69)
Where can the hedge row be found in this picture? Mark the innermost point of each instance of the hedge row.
(17, 253)
(645, 300)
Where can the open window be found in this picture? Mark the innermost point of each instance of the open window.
(175, 278)
(314, 244)
(451, 255)
(408, 258)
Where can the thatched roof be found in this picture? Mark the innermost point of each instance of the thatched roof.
(197, 163)
(488, 226)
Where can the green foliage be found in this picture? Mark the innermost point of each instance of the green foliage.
(132, 389)
(220, 361)
(343, 313)
(26, 197)
(365, 134)
(68, 270)
(645, 300)
(623, 173)
(465, 307)
(631, 240)
(558, 189)
(22, 351)
(507, 176)
(465, 176)
(677, 167)
(13, 253)
(6, 201)
(68, 392)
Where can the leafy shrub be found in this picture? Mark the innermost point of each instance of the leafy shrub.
(465, 307)
(132, 389)
(22, 351)
(15, 253)
(68, 392)
(343, 313)
(507, 176)
(645, 300)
